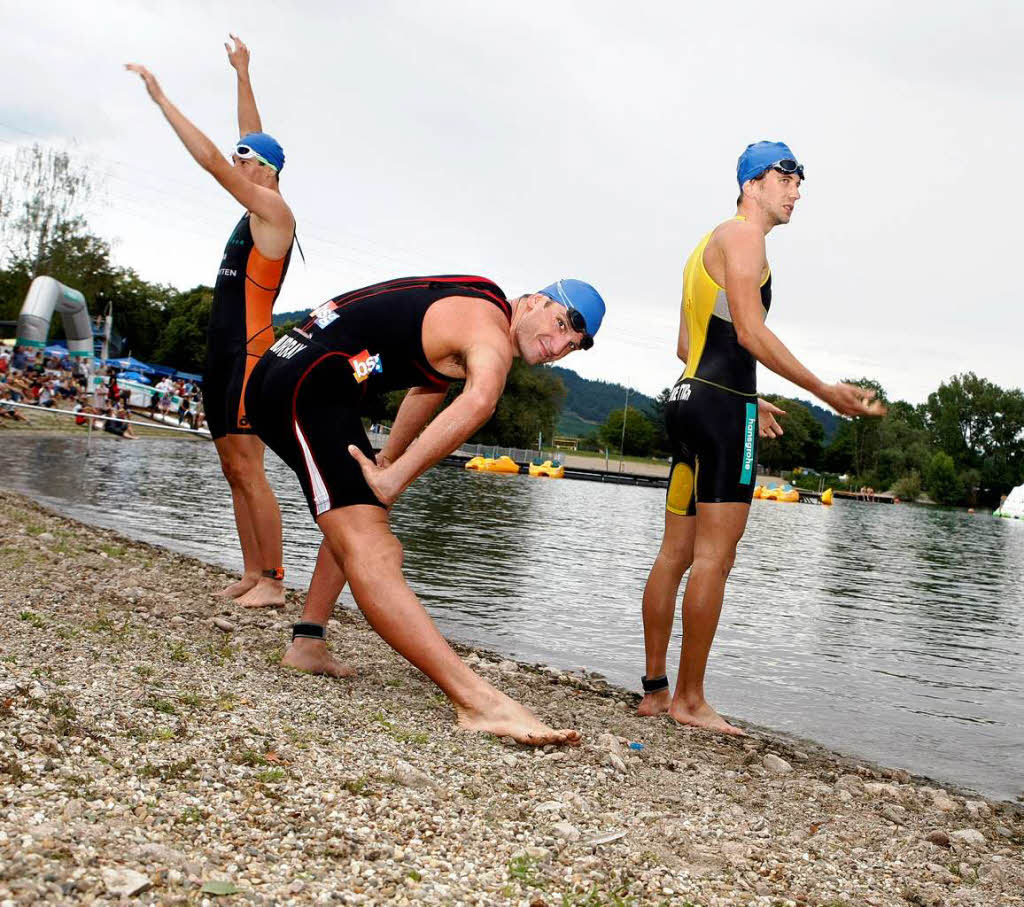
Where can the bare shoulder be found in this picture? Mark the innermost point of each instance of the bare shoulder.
(271, 208)
(455, 324)
(739, 241)
(737, 233)
(273, 224)
(469, 315)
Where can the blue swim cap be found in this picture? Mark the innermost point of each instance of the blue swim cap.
(581, 296)
(266, 146)
(759, 157)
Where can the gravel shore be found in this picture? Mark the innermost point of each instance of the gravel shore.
(151, 747)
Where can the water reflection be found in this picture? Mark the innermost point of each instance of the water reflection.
(889, 632)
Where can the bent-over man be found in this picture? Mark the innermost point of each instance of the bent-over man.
(305, 398)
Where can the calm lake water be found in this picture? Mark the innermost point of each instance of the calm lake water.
(890, 633)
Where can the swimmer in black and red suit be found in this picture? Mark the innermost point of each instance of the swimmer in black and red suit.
(306, 398)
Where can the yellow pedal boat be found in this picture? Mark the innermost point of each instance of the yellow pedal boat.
(487, 464)
(787, 494)
(550, 469)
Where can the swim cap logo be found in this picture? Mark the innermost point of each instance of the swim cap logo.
(365, 365)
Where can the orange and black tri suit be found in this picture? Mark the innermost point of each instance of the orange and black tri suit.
(711, 414)
(241, 328)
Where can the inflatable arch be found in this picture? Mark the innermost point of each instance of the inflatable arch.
(45, 295)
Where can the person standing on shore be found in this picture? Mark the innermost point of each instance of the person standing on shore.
(305, 398)
(252, 271)
(713, 418)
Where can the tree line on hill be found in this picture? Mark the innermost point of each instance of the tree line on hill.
(964, 445)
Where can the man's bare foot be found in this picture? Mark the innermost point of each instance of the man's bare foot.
(505, 717)
(267, 593)
(313, 656)
(247, 581)
(655, 703)
(703, 716)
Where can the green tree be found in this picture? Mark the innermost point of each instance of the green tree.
(182, 342)
(639, 432)
(981, 426)
(941, 481)
(529, 407)
(660, 445)
(800, 444)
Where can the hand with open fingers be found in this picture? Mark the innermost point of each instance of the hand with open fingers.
(767, 425)
(379, 479)
(152, 85)
(238, 56)
(851, 400)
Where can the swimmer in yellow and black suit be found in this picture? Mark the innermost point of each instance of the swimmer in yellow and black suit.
(714, 418)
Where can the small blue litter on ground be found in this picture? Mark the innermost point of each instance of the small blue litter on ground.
(636, 746)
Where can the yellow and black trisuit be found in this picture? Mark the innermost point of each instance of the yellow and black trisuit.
(712, 411)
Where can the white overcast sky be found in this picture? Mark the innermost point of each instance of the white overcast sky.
(534, 140)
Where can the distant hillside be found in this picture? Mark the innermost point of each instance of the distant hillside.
(284, 317)
(828, 419)
(588, 403)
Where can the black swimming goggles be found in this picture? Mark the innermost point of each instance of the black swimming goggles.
(579, 325)
(788, 166)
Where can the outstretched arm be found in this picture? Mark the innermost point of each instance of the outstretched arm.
(487, 366)
(743, 250)
(418, 405)
(261, 201)
(248, 115)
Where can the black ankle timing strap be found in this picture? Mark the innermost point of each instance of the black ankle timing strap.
(653, 684)
(305, 630)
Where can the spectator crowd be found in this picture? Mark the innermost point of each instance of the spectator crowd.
(31, 376)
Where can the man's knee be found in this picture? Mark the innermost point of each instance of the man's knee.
(719, 560)
(677, 555)
(369, 553)
(240, 468)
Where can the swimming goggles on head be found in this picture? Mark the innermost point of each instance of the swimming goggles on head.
(579, 325)
(788, 166)
(245, 153)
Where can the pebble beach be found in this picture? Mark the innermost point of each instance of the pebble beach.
(152, 749)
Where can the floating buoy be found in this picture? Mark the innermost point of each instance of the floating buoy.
(826, 497)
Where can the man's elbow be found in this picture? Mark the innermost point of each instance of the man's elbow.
(211, 160)
(747, 339)
(481, 407)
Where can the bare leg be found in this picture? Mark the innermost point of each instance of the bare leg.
(372, 560)
(719, 528)
(257, 518)
(247, 539)
(674, 559)
(312, 655)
